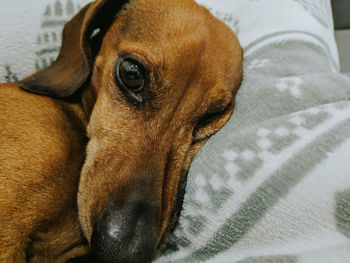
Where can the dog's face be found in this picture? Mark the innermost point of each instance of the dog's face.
(165, 76)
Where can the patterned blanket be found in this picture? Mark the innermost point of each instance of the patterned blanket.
(273, 186)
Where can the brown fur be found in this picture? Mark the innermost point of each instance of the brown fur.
(196, 68)
(42, 150)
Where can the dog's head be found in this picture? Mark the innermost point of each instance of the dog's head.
(165, 74)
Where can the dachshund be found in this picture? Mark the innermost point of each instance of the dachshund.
(95, 149)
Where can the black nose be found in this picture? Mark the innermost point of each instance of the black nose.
(126, 234)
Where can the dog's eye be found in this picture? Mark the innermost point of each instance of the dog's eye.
(132, 75)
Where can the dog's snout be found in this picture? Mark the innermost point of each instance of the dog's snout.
(126, 234)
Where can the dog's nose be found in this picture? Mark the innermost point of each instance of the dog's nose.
(126, 234)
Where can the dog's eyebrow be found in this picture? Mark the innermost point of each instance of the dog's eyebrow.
(153, 57)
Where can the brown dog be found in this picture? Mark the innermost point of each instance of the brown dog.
(145, 83)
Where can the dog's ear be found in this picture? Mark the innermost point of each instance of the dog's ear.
(81, 40)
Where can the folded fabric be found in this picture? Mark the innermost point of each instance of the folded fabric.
(274, 184)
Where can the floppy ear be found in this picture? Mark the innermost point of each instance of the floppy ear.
(79, 47)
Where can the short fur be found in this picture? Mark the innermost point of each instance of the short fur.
(140, 152)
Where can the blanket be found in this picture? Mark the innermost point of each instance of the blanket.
(273, 186)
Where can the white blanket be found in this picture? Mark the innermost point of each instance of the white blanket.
(274, 184)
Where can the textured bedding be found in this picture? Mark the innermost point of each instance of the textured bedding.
(273, 186)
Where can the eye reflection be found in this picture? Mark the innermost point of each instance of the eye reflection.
(132, 75)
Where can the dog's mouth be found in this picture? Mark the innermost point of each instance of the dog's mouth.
(174, 214)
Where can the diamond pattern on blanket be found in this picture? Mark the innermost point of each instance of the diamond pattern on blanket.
(258, 63)
(291, 85)
(210, 192)
(313, 145)
(312, 119)
(280, 138)
(245, 156)
(241, 164)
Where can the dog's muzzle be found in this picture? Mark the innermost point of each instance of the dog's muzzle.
(125, 234)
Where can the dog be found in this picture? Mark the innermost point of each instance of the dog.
(95, 149)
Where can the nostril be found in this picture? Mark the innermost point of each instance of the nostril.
(125, 235)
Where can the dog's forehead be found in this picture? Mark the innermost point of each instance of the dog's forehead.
(163, 22)
(180, 29)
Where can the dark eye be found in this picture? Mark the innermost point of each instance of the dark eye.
(131, 74)
(132, 78)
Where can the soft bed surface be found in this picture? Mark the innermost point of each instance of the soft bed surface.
(274, 184)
